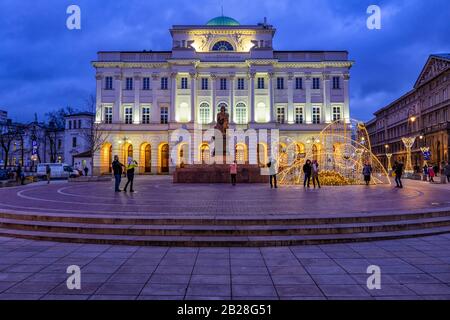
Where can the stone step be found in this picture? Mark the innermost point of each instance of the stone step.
(225, 221)
(220, 230)
(218, 241)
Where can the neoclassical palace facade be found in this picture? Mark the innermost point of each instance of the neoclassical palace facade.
(144, 96)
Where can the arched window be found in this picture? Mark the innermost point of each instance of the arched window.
(222, 46)
(184, 112)
(241, 113)
(220, 105)
(204, 113)
(261, 112)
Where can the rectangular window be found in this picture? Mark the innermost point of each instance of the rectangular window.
(108, 115)
(146, 115)
(281, 114)
(128, 115)
(298, 83)
(108, 83)
(240, 84)
(70, 124)
(59, 143)
(164, 82)
(260, 83)
(129, 84)
(205, 84)
(146, 83)
(79, 124)
(336, 113)
(280, 83)
(316, 115)
(74, 142)
(184, 83)
(241, 113)
(316, 83)
(223, 84)
(336, 83)
(164, 115)
(298, 115)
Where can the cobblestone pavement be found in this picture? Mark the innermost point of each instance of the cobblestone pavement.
(157, 196)
(417, 268)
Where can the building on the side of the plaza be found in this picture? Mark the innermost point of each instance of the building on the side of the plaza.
(77, 146)
(422, 113)
(3, 116)
(144, 96)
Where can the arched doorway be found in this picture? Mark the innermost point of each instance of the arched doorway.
(205, 155)
(106, 158)
(164, 158)
(261, 151)
(148, 158)
(241, 153)
(183, 155)
(127, 152)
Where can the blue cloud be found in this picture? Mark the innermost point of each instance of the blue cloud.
(44, 66)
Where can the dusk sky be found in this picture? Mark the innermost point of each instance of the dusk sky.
(45, 66)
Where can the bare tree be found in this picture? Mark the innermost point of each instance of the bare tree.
(9, 133)
(94, 135)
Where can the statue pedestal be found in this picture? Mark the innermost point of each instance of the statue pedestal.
(218, 173)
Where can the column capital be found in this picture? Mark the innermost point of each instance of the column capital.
(155, 76)
(118, 77)
(290, 76)
(173, 75)
(213, 76)
(308, 76)
(99, 76)
(193, 75)
(137, 76)
(346, 76)
(271, 74)
(232, 76)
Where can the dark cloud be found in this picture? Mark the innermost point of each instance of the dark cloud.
(44, 66)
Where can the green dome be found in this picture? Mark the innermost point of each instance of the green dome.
(222, 21)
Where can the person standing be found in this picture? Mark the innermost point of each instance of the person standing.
(315, 173)
(86, 170)
(367, 172)
(48, 172)
(307, 172)
(447, 171)
(273, 173)
(19, 174)
(425, 172)
(431, 173)
(117, 171)
(398, 170)
(132, 164)
(233, 172)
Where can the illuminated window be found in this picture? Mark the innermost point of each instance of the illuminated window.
(222, 46)
(336, 113)
(108, 115)
(241, 113)
(205, 113)
(281, 114)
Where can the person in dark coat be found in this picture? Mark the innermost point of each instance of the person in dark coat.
(398, 170)
(117, 171)
(367, 172)
(307, 170)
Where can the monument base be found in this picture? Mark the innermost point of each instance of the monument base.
(218, 173)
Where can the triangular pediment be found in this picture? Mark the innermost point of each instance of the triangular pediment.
(436, 64)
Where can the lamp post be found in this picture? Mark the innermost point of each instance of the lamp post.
(409, 142)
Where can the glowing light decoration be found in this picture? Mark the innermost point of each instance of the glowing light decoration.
(341, 152)
(408, 142)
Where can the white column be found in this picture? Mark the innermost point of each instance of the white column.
(213, 96)
(193, 97)
(272, 113)
(251, 78)
(290, 111)
(231, 111)
(326, 99)
(137, 102)
(154, 116)
(346, 110)
(308, 107)
(173, 96)
(98, 99)
(117, 109)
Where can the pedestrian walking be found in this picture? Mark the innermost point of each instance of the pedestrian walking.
(315, 173)
(132, 164)
(307, 172)
(367, 172)
(273, 173)
(48, 172)
(431, 173)
(425, 172)
(233, 172)
(447, 171)
(398, 170)
(117, 171)
(86, 170)
(20, 175)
